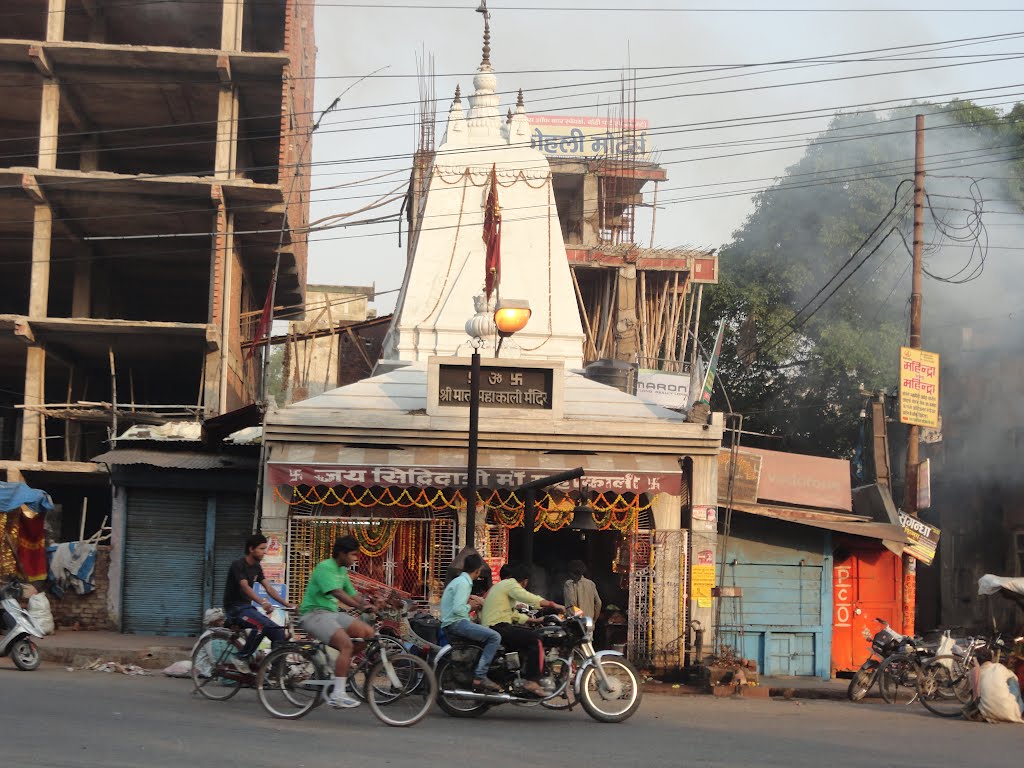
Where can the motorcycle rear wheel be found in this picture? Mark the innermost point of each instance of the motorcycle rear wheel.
(943, 686)
(25, 655)
(613, 706)
(862, 681)
(448, 679)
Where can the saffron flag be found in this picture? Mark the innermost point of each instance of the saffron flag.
(492, 236)
(709, 379)
(266, 316)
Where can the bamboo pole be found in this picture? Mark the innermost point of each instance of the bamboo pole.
(610, 319)
(583, 311)
(644, 351)
(113, 396)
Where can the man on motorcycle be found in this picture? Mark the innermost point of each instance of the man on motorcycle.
(499, 613)
(456, 603)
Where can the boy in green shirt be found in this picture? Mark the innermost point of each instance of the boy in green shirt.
(320, 616)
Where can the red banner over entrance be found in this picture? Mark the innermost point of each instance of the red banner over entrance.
(600, 481)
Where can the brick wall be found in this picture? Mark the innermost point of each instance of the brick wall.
(88, 611)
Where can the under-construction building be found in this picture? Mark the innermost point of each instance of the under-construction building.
(151, 153)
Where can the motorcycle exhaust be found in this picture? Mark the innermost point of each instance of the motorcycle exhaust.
(490, 698)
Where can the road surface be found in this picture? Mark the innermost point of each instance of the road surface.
(53, 717)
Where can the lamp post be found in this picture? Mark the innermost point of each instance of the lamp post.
(508, 317)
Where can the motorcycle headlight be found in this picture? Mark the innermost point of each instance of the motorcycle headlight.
(588, 626)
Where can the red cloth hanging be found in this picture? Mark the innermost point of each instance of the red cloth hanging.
(32, 547)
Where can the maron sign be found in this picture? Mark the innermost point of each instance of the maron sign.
(919, 387)
(669, 390)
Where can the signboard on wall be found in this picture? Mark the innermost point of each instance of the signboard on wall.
(924, 538)
(669, 390)
(525, 388)
(746, 480)
(577, 136)
(919, 387)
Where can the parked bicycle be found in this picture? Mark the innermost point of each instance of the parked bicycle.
(398, 687)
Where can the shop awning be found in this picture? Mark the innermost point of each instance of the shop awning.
(336, 464)
(893, 536)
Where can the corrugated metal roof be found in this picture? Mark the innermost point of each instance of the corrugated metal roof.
(830, 521)
(176, 459)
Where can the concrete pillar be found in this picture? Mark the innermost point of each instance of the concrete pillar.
(55, 20)
(118, 520)
(627, 331)
(704, 535)
(32, 421)
(232, 17)
(591, 214)
(225, 159)
(215, 359)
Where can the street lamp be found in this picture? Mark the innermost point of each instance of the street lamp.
(508, 317)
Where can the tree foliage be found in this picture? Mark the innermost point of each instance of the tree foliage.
(796, 375)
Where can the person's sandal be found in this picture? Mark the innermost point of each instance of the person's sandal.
(486, 685)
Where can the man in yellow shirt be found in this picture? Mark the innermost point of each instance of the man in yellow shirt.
(499, 614)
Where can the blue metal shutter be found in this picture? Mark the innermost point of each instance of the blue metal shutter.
(165, 539)
(235, 514)
(778, 601)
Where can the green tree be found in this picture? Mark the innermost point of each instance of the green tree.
(794, 358)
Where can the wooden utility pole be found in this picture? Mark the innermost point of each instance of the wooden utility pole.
(913, 433)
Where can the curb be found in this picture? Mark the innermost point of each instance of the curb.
(147, 658)
(666, 689)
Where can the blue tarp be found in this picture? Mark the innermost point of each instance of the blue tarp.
(13, 495)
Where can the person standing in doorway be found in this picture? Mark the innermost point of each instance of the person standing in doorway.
(239, 596)
(581, 591)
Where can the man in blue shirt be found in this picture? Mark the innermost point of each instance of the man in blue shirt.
(455, 606)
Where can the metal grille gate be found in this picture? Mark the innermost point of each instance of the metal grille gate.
(658, 598)
(427, 543)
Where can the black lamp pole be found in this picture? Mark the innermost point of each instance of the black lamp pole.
(474, 438)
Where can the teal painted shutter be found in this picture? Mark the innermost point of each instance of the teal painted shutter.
(165, 535)
(233, 525)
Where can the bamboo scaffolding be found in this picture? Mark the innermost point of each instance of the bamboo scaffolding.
(583, 312)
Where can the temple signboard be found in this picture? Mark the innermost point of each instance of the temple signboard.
(505, 387)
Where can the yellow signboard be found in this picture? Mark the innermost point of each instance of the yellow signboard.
(919, 387)
(702, 581)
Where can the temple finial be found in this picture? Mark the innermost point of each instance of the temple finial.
(508, 117)
(486, 60)
(519, 99)
(458, 94)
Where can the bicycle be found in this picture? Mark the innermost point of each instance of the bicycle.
(217, 673)
(299, 676)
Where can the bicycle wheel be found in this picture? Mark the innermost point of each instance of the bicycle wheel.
(214, 656)
(291, 682)
(944, 687)
(898, 676)
(364, 661)
(400, 690)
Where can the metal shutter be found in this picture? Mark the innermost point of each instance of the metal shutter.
(165, 539)
(234, 524)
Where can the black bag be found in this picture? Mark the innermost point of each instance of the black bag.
(426, 626)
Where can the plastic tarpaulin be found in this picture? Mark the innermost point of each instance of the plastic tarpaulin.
(14, 495)
(990, 584)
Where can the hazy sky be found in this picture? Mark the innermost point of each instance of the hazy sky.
(373, 132)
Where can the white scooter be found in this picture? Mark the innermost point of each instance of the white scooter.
(18, 630)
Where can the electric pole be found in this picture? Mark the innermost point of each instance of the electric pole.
(913, 433)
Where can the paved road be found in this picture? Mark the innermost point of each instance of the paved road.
(57, 718)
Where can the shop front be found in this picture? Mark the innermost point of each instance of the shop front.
(350, 462)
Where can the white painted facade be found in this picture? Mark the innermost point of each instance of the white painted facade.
(447, 270)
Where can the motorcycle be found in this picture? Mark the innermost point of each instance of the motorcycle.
(18, 629)
(884, 644)
(603, 682)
